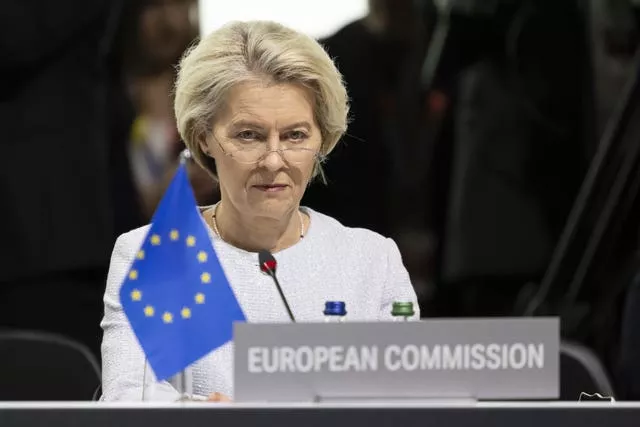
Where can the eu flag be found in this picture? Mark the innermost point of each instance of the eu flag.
(175, 294)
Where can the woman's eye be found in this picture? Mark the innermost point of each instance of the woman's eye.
(248, 135)
(297, 135)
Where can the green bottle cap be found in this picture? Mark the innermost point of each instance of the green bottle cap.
(402, 309)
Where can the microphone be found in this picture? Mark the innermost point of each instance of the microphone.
(268, 265)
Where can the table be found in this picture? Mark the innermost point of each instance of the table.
(373, 414)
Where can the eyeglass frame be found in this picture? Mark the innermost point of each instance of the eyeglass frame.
(319, 158)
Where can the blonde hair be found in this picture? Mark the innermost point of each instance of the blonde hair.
(243, 51)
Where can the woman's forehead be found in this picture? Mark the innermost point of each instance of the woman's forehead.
(257, 103)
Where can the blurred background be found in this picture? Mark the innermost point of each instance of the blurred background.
(497, 141)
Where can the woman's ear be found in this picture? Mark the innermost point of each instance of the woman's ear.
(204, 146)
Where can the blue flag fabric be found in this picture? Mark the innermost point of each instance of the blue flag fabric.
(175, 295)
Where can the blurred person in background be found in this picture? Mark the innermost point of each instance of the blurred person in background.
(154, 36)
(518, 148)
(377, 178)
(615, 32)
(56, 185)
(370, 53)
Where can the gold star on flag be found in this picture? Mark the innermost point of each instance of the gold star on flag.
(155, 240)
(136, 295)
(140, 254)
(167, 317)
(185, 313)
(174, 235)
(202, 256)
(205, 277)
(199, 298)
(191, 241)
(133, 274)
(149, 311)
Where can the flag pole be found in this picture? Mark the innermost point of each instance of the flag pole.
(144, 380)
(182, 382)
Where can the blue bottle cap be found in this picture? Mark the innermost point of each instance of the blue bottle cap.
(335, 308)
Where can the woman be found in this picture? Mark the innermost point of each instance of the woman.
(259, 106)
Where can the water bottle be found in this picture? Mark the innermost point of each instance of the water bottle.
(402, 311)
(334, 311)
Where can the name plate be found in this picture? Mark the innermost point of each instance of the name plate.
(498, 358)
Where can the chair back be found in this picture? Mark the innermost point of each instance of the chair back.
(39, 366)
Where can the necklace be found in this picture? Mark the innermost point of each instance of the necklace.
(214, 222)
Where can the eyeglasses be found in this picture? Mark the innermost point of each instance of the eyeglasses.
(292, 155)
(255, 151)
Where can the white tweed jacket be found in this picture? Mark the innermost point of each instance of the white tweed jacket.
(332, 262)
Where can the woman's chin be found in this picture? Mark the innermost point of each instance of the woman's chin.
(272, 206)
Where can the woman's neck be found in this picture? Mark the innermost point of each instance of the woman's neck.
(253, 232)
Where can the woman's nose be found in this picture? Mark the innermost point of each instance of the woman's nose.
(273, 160)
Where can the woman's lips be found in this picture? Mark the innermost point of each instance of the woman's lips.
(271, 188)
